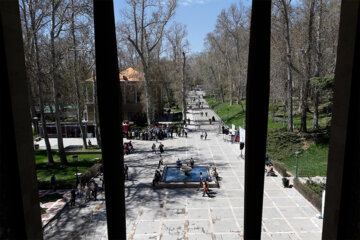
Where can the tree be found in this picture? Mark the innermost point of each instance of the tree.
(178, 45)
(58, 20)
(37, 11)
(144, 27)
(74, 11)
(308, 63)
(284, 7)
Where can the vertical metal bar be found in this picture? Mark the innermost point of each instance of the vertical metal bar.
(257, 104)
(109, 102)
(19, 202)
(342, 212)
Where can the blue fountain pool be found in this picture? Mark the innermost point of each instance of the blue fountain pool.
(175, 174)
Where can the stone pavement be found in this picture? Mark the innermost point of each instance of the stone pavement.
(74, 222)
(53, 208)
(169, 214)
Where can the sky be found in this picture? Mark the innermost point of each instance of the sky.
(199, 16)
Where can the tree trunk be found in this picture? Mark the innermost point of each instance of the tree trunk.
(148, 95)
(96, 121)
(317, 67)
(289, 74)
(222, 94)
(230, 81)
(76, 82)
(55, 89)
(183, 89)
(305, 88)
(40, 91)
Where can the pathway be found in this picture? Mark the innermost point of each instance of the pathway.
(168, 214)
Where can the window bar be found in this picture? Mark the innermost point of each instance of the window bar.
(19, 199)
(109, 102)
(257, 104)
(342, 212)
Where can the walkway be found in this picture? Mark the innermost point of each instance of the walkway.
(169, 214)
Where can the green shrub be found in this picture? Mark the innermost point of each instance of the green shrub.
(316, 187)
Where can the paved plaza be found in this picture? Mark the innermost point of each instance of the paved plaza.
(169, 214)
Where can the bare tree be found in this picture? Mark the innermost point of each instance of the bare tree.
(37, 12)
(178, 45)
(284, 7)
(144, 29)
(74, 10)
(58, 20)
(308, 62)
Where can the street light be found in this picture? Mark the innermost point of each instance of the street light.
(75, 160)
(297, 157)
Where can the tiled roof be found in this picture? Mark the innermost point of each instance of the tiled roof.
(129, 74)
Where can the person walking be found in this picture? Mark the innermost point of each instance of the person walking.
(126, 172)
(95, 191)
(73, 196)
(53, 182)
(153, 147)
(205, 135)
(160, 162)
(87, 192)
(80, 190)
(206, 189)
(161, 148)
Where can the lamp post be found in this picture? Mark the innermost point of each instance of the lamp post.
(75, 159)
(297, 157)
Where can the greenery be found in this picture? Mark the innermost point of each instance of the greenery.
(281, 144)
(311, 162)
(315, 187)
(65, 175)
(230, 114)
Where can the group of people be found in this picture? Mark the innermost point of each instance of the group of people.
(128, 148)
(90, 189)
(152, 133)
(191, 163)
(204, 185)
(161, 148)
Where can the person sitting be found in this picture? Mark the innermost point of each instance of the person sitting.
(89, 143)
(178, 163)
(271, 172)
(267, 161)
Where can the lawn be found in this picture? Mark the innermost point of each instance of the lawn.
(311, 162)
(281, 144)
(65, 175)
